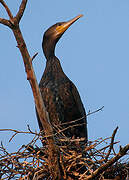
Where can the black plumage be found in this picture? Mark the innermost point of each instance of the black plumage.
(60, 96)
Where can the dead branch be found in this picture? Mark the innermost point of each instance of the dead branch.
(13, 23)
(19, 132)
(5, 22)
(100, 109)
(31, 161)
(7, 9)
(34, 56)
(112, 143)
(21, 10)
(79, 119)
(102, 168)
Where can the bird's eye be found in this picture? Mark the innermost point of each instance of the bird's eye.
(59, 24)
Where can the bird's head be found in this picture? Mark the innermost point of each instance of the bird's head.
(53, 34)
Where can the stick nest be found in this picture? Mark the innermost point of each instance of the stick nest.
(96, 160)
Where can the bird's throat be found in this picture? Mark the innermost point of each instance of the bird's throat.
(49, 49)
(53, 69)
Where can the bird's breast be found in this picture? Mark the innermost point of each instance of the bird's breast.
(59, 100)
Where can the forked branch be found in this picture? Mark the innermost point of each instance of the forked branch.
(7, 9)
(5, 22)
(13, 23)
(21, 10)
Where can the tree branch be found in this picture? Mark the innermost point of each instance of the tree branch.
(7, 9)
(112, 143)
(21, 10)
(43, 115)
(33, 57)
(5, 22)
(102, 168)
(100, 109)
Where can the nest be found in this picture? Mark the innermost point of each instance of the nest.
(96, 160)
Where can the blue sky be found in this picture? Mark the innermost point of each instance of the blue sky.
(94, 53)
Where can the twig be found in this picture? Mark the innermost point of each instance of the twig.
(5, 22)
(21, 10)
(7, 9)
(111, 144)
(34, 56)
(19, 132)
(79, 119)
(108, 146)
(102, 168)
(31, 130)
(30, 158)
(3, 148)
(100, 109)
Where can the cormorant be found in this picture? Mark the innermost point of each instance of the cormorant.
(60, 96)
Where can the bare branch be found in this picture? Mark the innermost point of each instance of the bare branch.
(21, 10)
(32, 161)
(19, 132)
(79, 119)
(5, 22)
(16, 131)
(108, 146)
(102, 168)
(100, 109)
(7, 9)
(34, 56)
(112, 143)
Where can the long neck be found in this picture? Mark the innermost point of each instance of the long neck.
(48, 46)
(53, 68)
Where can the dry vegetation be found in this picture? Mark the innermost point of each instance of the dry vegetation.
(97, 160)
